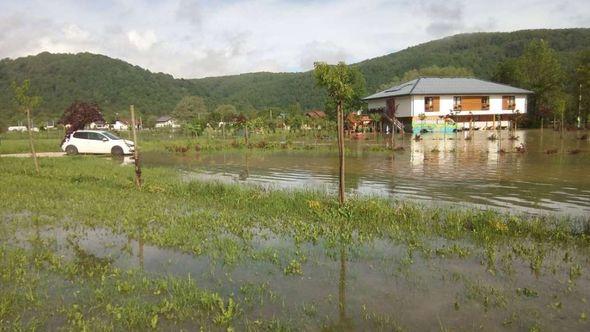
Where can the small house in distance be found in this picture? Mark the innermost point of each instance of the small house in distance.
(166, 122)
(315, 114)
(120, 125)
(447, 104)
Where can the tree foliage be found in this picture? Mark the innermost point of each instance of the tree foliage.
(582, 73)
(79, 115)
(26, 103)
(343, 84)
(190, 108)
(23, 98)
(539, 70)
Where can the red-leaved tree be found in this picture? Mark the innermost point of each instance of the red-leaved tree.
(80, 114)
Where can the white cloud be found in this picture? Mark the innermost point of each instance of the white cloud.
(73, 32)
(142, 41)
(196, 38)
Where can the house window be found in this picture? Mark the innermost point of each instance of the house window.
(431, 104)
(508, 102)
(485, 103)
(428, 104)
(457, 103)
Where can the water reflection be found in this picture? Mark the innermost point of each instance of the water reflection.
(437, 170)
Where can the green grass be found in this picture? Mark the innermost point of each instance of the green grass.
(221, 221)
(161, 140)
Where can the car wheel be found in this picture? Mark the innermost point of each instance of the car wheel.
(117, 151)
(71, 150)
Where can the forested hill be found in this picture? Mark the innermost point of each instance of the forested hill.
(62, 78)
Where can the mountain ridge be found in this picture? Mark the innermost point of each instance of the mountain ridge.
(62, 78)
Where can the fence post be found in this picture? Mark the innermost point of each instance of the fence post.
(136, 150)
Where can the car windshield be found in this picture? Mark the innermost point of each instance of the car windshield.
(109, 135)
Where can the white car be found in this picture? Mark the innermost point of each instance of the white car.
(96, 141)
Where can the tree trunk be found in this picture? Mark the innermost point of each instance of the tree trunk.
(246, 134)
(33, 153)
(136, 157)
(340, 153)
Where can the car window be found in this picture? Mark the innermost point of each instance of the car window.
(81, 135)
(95, 136)
(111, 136)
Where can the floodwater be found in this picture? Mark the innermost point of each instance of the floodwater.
(552, 175)
(381, 285)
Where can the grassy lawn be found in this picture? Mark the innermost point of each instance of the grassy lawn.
(51, 278)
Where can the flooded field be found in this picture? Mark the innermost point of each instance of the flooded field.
(82, 249)
(281, 284)
(551, 176)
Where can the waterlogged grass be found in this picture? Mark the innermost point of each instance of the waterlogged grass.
(178, 142)
(249, 258)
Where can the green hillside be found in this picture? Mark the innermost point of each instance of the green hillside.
(62, 78)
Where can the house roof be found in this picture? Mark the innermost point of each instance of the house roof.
(164, 118)
(316, 114)
(447, 85)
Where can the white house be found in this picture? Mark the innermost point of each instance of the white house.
(98, 125)
(167, 122)
(17, 128)
(446, 104)
(120, 125)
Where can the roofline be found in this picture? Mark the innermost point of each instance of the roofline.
(525, 92)
(413, 87)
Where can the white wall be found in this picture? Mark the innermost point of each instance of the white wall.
(521, 104)
(404, 106)
(414, 105)
(495, 103)
(376, 104)
(446, 105)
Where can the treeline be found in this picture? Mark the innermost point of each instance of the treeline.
(60, 79)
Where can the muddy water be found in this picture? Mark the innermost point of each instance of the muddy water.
(551, 176)
(379, 285)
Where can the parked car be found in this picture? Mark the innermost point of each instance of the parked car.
(97, 141)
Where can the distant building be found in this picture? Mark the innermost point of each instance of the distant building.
(120, 125)
(315, 114)
(166, 122)
(18, 128)
(446, 104)
(98, 125)
(356, 121)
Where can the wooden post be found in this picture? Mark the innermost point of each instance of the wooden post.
(340, 116)
(136, 150)
(494, 121)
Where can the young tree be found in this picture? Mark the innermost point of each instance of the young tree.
(583, 86)
(27, 103)
(339, 80)
(80, 114)
(190, 108)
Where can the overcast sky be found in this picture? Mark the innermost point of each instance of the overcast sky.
(192, 38)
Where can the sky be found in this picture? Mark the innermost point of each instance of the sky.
(193, 38)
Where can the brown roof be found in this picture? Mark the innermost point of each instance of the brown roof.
(316, 114)
(352, 117)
